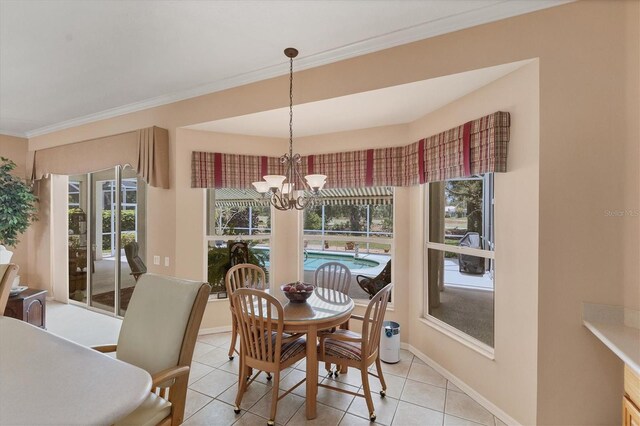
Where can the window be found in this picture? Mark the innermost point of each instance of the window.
(353, 227)
(74, 194)
(235, 215)
(460, 265)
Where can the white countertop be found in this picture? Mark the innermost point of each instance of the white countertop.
(618, 328)
(47, 380)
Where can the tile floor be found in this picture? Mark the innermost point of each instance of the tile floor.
(416, 393)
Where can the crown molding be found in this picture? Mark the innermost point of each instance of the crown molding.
(500, 10)
(14, 134)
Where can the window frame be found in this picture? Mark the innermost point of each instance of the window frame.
(208, 238)
(430, 320)
(383, 240)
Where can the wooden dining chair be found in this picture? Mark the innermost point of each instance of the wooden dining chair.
(159, 334)
(359, 350)
(333, 275)
(8, 272)
(263, 345)
(244, 275)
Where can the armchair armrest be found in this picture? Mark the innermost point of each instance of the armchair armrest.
(336, 336)
(168, 374)
(105, 348)
(360, 277)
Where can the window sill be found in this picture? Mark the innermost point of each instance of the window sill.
(459, 336)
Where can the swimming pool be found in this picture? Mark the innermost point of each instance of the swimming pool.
(314, 259)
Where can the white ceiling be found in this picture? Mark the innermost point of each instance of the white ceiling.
(64, 63)
(383, 107)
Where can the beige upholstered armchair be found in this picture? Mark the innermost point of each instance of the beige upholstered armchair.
(158, 334)
(8, 273)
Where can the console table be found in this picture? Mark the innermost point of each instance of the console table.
(28, 306)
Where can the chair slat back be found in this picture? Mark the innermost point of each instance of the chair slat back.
(260, 324)
(244, 275)
(334, 276)
(373, 318)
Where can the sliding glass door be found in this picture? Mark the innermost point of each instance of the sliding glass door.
(132, 230)
(111, 203)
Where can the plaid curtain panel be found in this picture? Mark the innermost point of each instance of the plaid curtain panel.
(476, 147)
(489, 140)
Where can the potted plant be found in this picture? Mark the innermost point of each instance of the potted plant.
(17, 208)
(218, 265)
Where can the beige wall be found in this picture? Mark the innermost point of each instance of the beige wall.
(588, 150)
(509, 380)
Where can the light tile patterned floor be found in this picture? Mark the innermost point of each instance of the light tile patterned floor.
(416, 395)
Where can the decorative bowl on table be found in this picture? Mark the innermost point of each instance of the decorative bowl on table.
(297, 292)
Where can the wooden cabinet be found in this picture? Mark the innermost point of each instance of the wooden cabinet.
(29, 306)
(630, 413)
(631, 399)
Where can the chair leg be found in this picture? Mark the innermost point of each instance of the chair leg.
(327, 366)
(234, 336)
(242, 385)
(178, 394)
(274, 398)
(367, 392)
(383, 392)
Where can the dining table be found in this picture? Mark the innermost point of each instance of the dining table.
(323, 310)
(48, 380)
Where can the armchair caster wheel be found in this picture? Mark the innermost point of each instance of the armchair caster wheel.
(383, 393)
(271, 423)
(372, 417)
(231, 358)
(269, 376)
(236, 410)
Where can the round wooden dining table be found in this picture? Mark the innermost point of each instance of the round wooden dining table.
(323, 310)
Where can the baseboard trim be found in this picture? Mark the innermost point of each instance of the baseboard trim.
(491, 407)
(214, 330)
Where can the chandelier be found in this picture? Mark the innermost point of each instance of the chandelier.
(281, 190)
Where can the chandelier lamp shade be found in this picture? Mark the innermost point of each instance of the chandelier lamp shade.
(290, 191)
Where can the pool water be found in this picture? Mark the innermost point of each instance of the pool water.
(313, 260)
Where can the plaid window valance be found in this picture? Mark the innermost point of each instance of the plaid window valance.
(476, 147)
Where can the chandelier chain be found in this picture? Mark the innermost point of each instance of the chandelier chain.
(290, 106)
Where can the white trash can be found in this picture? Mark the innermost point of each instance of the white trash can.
(390, 342)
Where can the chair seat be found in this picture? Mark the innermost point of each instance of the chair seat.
(291, 349)
(342, 349)
(151, 412)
